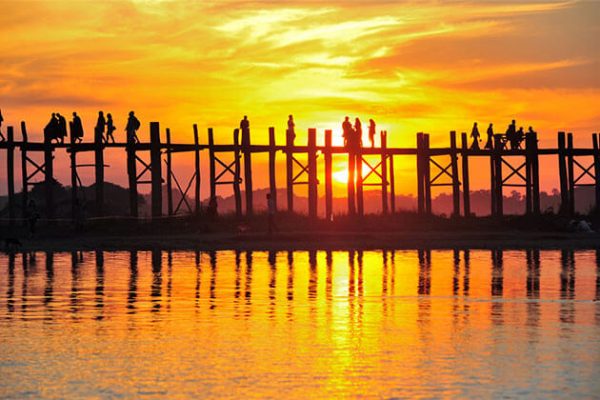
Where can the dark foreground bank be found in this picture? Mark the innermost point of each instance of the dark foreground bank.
(297, 232)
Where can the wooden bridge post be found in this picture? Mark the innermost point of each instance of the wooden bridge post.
(498, 177)
(313, 193)
(247, 171)
(427, 174)
(196, 171)
(156, 169)
(237, 194)
(351, 180)
(493, 180)
(420, 176)
(169, 172)
(596, 171)
(10, 170)
(528, 174)
(562, 171)
(49, 177)
(289, 168)
(99, 172)
(212, 166)
(272, 170)
(466, 186)
(328, 176)
(73, 157)
(455, 181)
(132, 177)
(384, 181)
(24, 180)
(571, 173)
(392, 184)
(535, 174)
(360, 201)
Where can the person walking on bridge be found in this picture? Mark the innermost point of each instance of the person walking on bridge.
(99, 129)
(476, 137)
(110, 128)
(133, 124)
(489, 144)
(76, 129)
(372, 130)
(291, 131)
(347, 131)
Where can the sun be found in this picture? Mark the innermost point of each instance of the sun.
(341, 176)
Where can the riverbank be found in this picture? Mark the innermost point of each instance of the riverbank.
(297, 232)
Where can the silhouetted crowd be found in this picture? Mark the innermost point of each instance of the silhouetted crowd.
(56, 129)
(513, 137)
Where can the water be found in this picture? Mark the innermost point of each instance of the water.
(300, 324)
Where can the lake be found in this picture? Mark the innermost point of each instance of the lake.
(373, 324)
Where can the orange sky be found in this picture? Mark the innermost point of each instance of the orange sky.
(411, 65)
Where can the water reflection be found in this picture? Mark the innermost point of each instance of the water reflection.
(337, 318)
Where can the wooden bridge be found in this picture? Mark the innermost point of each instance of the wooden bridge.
(434, 167)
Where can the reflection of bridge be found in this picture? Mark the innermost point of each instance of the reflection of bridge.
(508, 168)
(242, 284)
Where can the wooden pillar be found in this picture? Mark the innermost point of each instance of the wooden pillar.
(196, 171)
(10, 172)
(562, 171)
(528, 176)
(247, 171)
(596, 171)
(99, 171)
(289, 168)
(237, 193)
(24, 180)
(455, 181)
(49, 177)
(571, 173)
(392, 185)
(272, 162)
(384, 175)
(535, 174)
(420, 178)
(351, 180)
(156, 169)
(75, 206)
(132, 177)
(169, 172)
(313, 194)
(498, 177)
(466, 185)
(426, 174)
(212, 166)
(328, 176)
(360, 202)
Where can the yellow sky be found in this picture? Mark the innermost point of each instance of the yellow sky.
(411, 65)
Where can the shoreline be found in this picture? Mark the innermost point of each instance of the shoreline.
(348, 240)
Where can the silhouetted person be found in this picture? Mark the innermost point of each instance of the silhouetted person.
(110, 128)
(245, 128)
(99, 129)
(511, 135)
(372, 129)
(347, 131)
(51, 129)
(2, 139)
(475, 135)
(490, 138)
(32, 217)
(76, 128)
(271, 210)
(62, 127)
(519, 137)
(357, 133)
(291, 128)
(133, 124)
